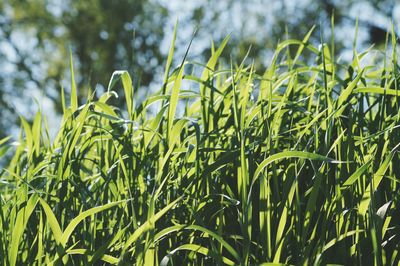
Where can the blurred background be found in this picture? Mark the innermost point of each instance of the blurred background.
(36, 37)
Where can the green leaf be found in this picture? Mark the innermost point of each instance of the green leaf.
(173, 101)
(377, 90)
(52, 221)
(127, 85)
(198, 249)
(376, 180)
(147, 226)
(349, 89)
(74, 95)
(290, 154)
(19, 227)
(356, 175)
(71, 226)
(28, 135)
(170, 57)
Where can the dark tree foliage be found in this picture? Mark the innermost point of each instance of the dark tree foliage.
(37, 36)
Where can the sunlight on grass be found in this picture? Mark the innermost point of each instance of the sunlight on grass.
(297, 165)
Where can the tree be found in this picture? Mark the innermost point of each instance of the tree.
(37, 36)
(261, 24)
(104, 35)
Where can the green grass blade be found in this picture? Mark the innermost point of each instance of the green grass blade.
(169, 58)
(72, 225)
(19, 227)
(357, 174)
(198, 249)
(74, 95)
(52, 221)
(147, 225)
(375, 181)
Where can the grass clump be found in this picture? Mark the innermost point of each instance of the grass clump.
(298, 165)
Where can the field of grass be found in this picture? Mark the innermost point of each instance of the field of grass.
(297, 165)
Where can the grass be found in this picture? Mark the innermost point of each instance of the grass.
(298, 165)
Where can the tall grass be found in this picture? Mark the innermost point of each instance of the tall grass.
(298, 165)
